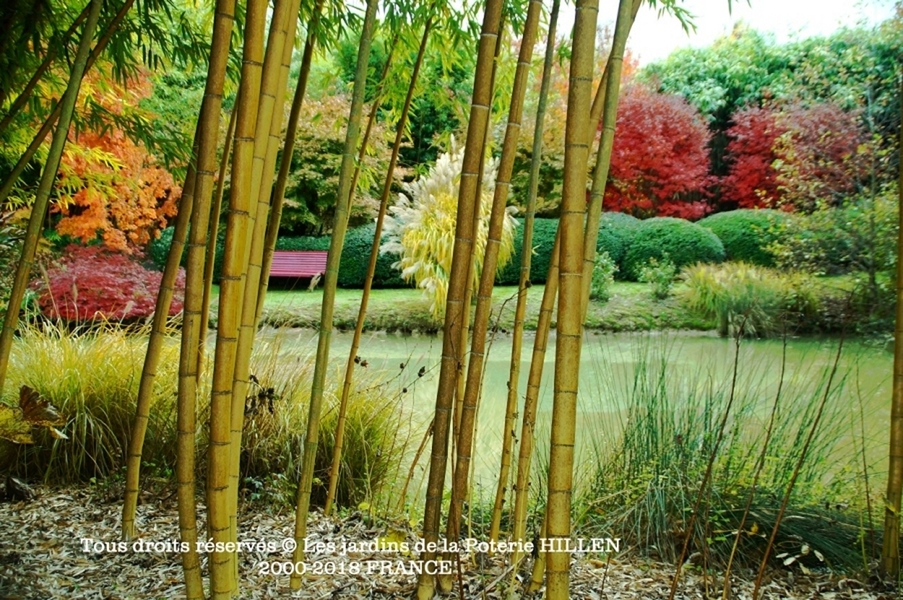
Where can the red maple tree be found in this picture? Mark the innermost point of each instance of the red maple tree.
(659, 163)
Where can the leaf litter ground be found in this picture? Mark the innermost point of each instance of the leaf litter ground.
(43, 555)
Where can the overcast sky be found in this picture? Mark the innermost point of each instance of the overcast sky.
(653, 38)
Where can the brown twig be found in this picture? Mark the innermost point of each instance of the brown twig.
(760, 464)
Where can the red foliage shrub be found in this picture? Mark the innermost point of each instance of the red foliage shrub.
(659, 163)
(819, 155)
(752, 179)
(94, 283)
(794, 156)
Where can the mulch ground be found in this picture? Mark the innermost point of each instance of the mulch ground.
(44, 554)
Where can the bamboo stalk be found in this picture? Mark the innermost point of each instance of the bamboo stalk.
(267, 131)
(534, 381)
(192, 338)
(508, 439)
(286, 162)
(570, 306)
(371, 117)
(472, 275)
(238, 232)
(468, 201)
(152, 355)
(45, 186)
(627, 10)
(331, 276)
(213, 233)
(487, 275)
(371, 270)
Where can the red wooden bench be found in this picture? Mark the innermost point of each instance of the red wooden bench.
(297, 263)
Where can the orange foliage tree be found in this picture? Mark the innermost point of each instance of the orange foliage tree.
(110, 188)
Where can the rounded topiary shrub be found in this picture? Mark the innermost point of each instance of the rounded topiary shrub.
(746, 233)
(356, 259)
(682, 242)
(543, 241)
(615, 234)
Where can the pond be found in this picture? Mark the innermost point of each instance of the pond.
(685, 366)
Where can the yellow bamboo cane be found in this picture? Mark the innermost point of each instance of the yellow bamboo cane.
(462, 257)
(329, 287)
(570, 305)
(371, 270)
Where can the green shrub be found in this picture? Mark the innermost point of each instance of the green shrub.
(158, 250)
(683, 242)
(659, 274)
(615, 233)
(303, 243)
(543, 242)
(749, 299)
(747, 234)
(859, 236)
(544, 231)
(603, 277)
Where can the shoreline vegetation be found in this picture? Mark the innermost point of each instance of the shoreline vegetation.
(631, 307)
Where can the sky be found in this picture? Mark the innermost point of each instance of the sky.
(653, 38)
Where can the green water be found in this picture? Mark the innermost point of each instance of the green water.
(694, 362)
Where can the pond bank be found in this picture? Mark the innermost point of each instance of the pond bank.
(632, 307)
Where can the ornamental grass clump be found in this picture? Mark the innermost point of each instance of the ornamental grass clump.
(91, 375)
(421, 227)
(657, 427)
(754, 300)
